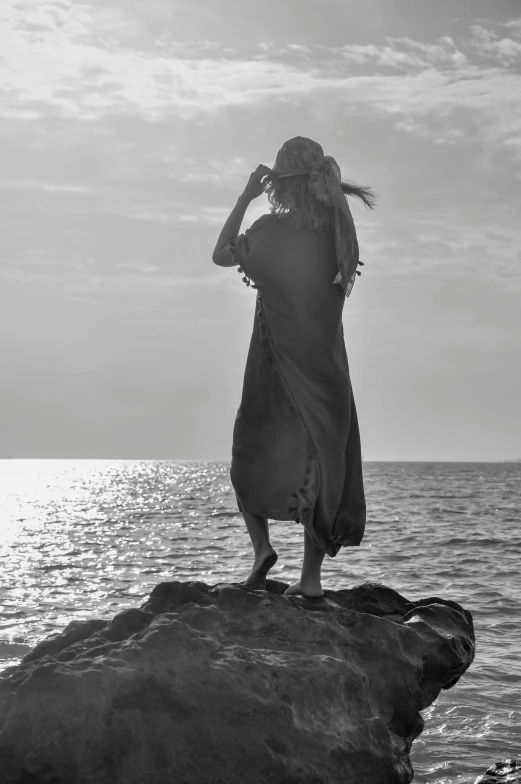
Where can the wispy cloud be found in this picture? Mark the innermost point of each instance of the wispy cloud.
(46, 187)
(489, 44)
(127, 284)
(60, 59)
(211, 170)
(488, 251)
(140, 266)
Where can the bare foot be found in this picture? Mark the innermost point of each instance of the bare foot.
(313, 589)
(263, 563)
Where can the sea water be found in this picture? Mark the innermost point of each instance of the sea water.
(89, 538)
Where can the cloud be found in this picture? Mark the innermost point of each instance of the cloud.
(65, 280)
(140, 266)
(299, 48)
(46, 187)
(216, 216)
(63, 59)
(484, 250)
(487, 43)
(514, 25)
(404, 53)
(201, 177)
(214, 171)
(213, 216)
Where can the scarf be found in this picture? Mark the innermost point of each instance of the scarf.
(325, 185)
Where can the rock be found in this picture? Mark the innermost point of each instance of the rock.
(507, 772)
(221, 684)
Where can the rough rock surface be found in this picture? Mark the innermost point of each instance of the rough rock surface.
(221, 684)
(506, 772)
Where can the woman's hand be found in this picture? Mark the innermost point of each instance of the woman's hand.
(255, 186)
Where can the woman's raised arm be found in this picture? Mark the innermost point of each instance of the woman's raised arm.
(222, 255)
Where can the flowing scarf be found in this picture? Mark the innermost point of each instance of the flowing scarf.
(325, 185)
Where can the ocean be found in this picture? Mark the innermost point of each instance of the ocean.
(89, 538)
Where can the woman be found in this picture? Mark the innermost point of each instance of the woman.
(296, 445)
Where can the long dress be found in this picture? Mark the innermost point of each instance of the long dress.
(296, 452)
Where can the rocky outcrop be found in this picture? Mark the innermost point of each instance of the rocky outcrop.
(223, 684)
(506, 772)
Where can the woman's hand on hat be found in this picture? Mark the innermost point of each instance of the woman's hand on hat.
(255, 185)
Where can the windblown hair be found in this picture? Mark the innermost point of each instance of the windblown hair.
(291, 195)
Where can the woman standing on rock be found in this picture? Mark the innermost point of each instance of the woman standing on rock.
(296, 445)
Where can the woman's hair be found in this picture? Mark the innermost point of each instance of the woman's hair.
(291, 195)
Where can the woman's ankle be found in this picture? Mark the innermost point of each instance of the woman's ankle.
(310, 579)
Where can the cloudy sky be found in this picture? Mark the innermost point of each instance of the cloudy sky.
(128, 130)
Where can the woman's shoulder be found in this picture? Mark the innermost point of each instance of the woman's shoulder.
(284, 222)
(267, 221)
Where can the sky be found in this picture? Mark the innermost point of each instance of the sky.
(129, 128)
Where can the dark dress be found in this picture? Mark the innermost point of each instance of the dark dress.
(296, 444)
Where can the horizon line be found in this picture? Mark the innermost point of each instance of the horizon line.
(214, 460)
